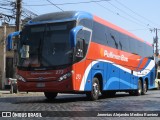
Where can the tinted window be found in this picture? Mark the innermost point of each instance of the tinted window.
(87, 35)
(99, 35)
(140, 48)
(86, 23)
(83, 38)
(111, 38)
(124, 42)
(148, 51)
(133, 46)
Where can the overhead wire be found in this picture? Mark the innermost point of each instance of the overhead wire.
(5, 8)
(9, 11)
(118, 14)
(69, 3)
(55, 5)
(124, 12)
(137, 29)
(144, 18)
(135, 20)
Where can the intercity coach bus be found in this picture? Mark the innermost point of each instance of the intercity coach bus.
(77, 52)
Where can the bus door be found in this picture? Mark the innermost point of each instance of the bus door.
(81, 73)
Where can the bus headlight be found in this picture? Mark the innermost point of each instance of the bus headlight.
(20, 78)
(65, 76)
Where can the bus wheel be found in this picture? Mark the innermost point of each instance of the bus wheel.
(108, 94)
(94, 94)
(144, 88)
(158, 87)
(132, 93)
(139, 90)
(50, 95)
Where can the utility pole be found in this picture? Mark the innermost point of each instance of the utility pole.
(155, 41)
(18, 28)
(18, 14)
(4, 57)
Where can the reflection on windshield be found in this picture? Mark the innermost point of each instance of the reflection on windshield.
(49, 45)
(54, 50)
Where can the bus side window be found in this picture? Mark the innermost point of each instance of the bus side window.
(79, 45)
(140, 48)
(123, 42)
(133, 46)
(149, 52)
(112, 38)
(86, 23)
(83, 38)
(99, 33)
(87, 36)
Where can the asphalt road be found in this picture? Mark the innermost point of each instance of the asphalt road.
(122, 102)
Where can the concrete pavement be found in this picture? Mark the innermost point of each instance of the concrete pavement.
(7, 93)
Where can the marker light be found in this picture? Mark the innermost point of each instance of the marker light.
(65, 76)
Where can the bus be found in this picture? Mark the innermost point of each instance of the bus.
(77, 52)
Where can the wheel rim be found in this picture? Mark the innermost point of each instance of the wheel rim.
(95, 89)
(145, 87)
(140, 88)
(158, 85)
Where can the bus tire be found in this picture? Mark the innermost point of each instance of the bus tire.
(144, 88)
(158, 87)
(50, 95)
(108, 94)
(139, 90)
(132, 93)
(15, 88)
(94, 93)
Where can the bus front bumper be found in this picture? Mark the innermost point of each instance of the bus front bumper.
(52, 86)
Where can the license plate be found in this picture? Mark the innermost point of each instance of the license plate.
(40, 85)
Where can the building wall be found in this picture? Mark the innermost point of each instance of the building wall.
(9, 54)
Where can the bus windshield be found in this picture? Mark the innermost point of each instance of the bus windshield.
(48, 45)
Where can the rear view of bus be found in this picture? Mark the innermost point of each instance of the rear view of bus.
(76, 52)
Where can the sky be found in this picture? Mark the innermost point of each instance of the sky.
(135, 16)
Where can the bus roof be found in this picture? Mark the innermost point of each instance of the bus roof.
(77, 15)
(61, 16)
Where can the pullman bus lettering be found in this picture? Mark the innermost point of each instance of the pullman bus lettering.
(114, 56)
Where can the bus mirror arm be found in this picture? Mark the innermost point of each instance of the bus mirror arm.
(10, 41)
(73, 34)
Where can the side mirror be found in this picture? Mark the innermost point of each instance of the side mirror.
(79, 48)
(73, 34)
(10, 41)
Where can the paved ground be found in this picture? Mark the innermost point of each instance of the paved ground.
(34, 102)
(7, 93)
